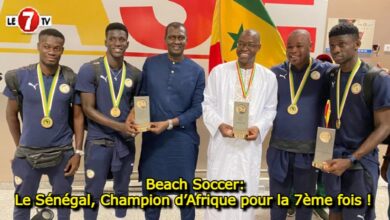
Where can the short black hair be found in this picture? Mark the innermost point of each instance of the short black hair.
(344, 28)
(174, 25)
(117, 26)
(51, 32)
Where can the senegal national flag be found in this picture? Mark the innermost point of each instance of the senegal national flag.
(231, 17)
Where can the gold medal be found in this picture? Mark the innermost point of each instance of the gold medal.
(325, 137)
(356, 88)
(115, 112)
(292, 109)
(338, 123)
(64, 88)
(47, 122)
(47, 101)
(315, 75)
(115, 98)
(128, 83)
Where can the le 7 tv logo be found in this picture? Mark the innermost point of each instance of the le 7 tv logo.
(28, 20)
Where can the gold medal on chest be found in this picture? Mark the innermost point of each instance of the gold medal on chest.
(292, 109)
(115, 112)
(47, 122)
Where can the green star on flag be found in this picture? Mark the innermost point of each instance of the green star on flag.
(231, 16)
(235, 37)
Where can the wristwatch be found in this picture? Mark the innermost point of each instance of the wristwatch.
(352, 158)
(79, 152)
(170, 124)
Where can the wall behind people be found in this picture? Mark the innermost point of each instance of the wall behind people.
(347, 8)
(377, 10)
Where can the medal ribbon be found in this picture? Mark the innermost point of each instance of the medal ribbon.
(339, 107)
(115, 99)
(295, 97)
(243, 90)
(327, 112)
(47, 102)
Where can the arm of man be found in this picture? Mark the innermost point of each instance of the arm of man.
(13, 120)
(386, 158)
(78, 128)
(195, 111)
(191, 114)
(211, 117)
(382, 130)
(265, 119)
(385, 164)
(78, 124)
(381, 109)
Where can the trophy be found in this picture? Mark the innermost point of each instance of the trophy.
(142, 113)
(324, 146)
(240, 119)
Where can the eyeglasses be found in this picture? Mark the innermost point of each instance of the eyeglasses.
(246, 44)
(173, 37)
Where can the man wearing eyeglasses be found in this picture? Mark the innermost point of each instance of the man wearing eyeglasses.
(252, 88)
